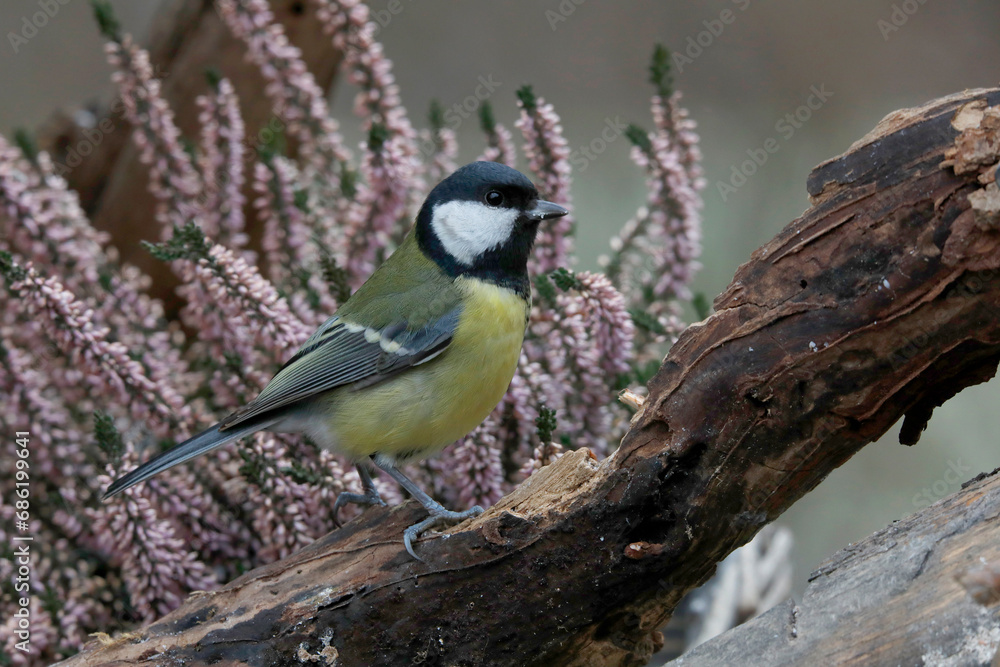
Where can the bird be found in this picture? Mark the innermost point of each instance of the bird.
(418, 356)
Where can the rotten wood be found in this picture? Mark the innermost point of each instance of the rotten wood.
(879, 303)
(923, 591)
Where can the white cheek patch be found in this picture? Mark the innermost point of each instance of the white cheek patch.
(467, 229)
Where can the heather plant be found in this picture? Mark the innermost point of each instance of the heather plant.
(101, 376)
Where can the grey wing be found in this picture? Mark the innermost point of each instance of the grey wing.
(343, 353)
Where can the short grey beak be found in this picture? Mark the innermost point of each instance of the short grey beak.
(545, 209)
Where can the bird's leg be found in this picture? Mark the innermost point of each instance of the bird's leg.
(369, 497)
(439, 515)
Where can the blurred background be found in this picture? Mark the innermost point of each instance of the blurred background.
(743, 66)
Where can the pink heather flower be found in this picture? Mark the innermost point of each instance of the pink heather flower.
(41, 220)
(288, 515)
(607, 322)
(654, 256)
(138, 321)
(173, 180)
(443, 153)
(373, 219)
(188, 499)
(29, 405)
(543, 455)
(289, 251)
(391, 166)
(44, 637)
(500, 147)
(251, 312)
(471, 472)
(348, 22)
(599, 336)
(672, 119)
(107, 364)
(221, 165)
(157, 567)
(299, 102)
(547, 153)
(47, 226)
(530, 388)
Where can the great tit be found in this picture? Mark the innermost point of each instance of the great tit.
(419, 355)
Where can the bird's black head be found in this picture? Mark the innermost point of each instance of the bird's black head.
(481, 221)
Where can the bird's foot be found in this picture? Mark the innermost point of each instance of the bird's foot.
(437, 518)
(367, 499)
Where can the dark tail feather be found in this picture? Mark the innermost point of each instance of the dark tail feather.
(205, 441)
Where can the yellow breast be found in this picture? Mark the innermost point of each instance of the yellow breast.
(429, 406)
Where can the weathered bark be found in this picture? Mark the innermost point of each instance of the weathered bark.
(924, 591)
(188, 38)
(880, 302)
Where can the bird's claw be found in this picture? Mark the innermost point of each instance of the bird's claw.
(436, 519)
(367, 499)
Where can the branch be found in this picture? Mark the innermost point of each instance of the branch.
(923, 591)
(880, 302)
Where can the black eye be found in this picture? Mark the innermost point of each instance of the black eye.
(494, 198)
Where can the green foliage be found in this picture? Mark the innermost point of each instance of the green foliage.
(660, 73)
(377, 136)
(701, 305)
(304, 474)
(639, 375)
(26, 142)
(435, 116)
(11, 270)
(301, 200)
(213, 76)
(188, 242)
(272, 144)
(565, 279)
(106, 21)
(644, 320)
(639, 137)
(254, 467)
(545, 423)
(486, 119)
(544, 287)
(51, 601)
(348, 181)
(562, 279)
(527, 97)
(109, 440)
(336, 277)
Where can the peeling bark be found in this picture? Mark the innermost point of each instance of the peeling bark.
(880, 302)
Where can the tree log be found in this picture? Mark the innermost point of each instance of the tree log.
(924, 591)
(880, 302)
